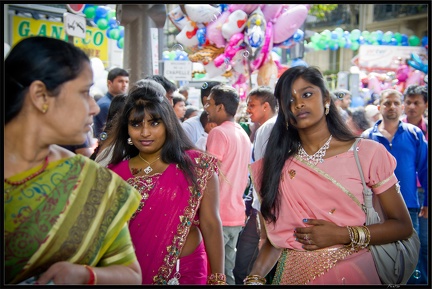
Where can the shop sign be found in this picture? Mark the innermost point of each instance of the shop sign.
(94, 44)
(178, 70)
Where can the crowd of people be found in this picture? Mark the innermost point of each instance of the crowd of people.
(174, 194)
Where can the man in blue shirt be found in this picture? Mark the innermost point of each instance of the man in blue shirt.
(407, 143)
(118, 83)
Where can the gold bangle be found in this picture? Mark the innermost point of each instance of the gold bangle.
(216, 279)
(254, 280)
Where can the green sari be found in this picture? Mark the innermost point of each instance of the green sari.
(74, 211)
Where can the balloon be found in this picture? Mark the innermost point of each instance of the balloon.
(398, 37)
(202, 13)
(234, 24)
(272, 11)
(165, 55)
(213, 71)
(298, 36)
(355, 45)
(255, 29)
(267, 73)
(111, 14)
(114, 34)
(89, 12)
(247, 8)
(339, 31)
(187, 35)
(231, 49)
(298, 62)
(112, 23)
(239, 61)
(206, 54)
(120, 43)
(97, 67)
(288, 23)
(266, 48)
(413, 40)
(355, 34)
(416, 77)
(101, 12)
(387, 37)
(177, 18)
(214, 30)
(102, 24)
(201, 35)
(424, 41)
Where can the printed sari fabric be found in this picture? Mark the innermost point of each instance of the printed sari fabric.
(168, 209)
(322, 192)
(74, 211)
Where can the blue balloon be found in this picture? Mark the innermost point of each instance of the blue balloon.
(101, 12)
(298, 36)
(394, 41)
(108, 32)
(334, 35)
(424, 41)
(112, 23)
(404, 37)
(298, 62)
(201, 35)
(357, 101)
(121, 32)
(379, 35)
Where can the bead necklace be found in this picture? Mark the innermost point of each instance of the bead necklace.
(29, 177)
(316, 157)
(148, 169)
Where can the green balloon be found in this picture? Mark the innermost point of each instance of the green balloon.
(398, 37)
(102, 24)
(342, 42)
(413, 40)
(90, 12)
(111, 14)
(114, 34)
(355, 45)
(120, 43)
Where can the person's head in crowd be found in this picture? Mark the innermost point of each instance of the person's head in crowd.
(415, 102)
(390, 104)
(191, 111)
(147, 105)
(261, 104)
(357, 120)
(205, 90)
(372, 113)
(222, 104)
(344, 96)
(184, 90)
(115, 108)
(179, 105)
(168, 85)
(207, 125)
(117, 81)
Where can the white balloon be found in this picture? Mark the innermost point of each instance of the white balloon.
(235, 23)
(187, 35)
(202, 13)
(213, 71)
(6, 49)
(98, 68)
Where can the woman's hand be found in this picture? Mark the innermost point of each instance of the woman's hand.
(65, 273)
(320, 234)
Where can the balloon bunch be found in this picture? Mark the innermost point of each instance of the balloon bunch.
(237, 38)
(104, 18)
(339, 38)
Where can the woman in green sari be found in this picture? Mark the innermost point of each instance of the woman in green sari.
(65, 219)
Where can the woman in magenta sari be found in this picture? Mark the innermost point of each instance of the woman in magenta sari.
(176, 230)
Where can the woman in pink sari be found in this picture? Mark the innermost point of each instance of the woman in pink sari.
(176, 230)
(307, 182)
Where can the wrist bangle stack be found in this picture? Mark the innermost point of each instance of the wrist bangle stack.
(254, 280)
(93, 277)
(359, 236)
(216, 279)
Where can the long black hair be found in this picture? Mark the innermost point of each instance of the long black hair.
(148, 97)
(49, 60)
(284, 143)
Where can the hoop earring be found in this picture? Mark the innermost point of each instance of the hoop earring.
(129, 141)
(327, 108)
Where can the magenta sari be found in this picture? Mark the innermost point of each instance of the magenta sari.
(163, 220)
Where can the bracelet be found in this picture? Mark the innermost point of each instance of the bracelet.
(254, 280)
(93, 277)
(216, 279)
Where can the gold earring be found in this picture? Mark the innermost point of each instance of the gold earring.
(327, 108)
(44, 107)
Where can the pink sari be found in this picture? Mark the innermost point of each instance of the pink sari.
(321, 193)
(162, 222)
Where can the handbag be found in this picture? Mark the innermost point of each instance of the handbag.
(396, 261)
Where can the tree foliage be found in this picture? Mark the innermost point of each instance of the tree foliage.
(320, 10)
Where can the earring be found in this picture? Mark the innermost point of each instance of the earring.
(129, 141)
(44, 107)
(287, 125)
(327, 108)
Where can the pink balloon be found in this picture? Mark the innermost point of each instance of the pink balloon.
(214, 30)
(248, 8)
(231, 49)
(416, 77)
(374, 84)
(272, 11)
(288, 23)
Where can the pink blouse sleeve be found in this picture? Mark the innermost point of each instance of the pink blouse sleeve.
(378, 166)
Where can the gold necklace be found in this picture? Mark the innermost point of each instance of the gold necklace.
(148, 169)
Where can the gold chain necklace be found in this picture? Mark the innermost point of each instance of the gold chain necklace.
(148, 169)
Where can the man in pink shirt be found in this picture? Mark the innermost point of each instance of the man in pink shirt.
(231, 145)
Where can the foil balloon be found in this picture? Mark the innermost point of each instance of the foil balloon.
(255, 31)
(248, 8)
(288, 23)
(266, 48)
(234, 45)
(206, 54)
(177, 17)
(213, 71)
(202, 13)
(187, 36)
(235, 23)
(268, 73)
(272, 11)
(239, 61)
(214, 30)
